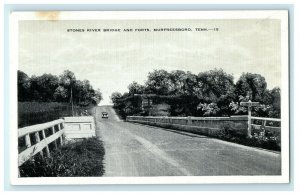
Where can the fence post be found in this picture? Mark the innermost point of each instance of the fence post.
(47, 147)
(37, 139)
(249, 122)
(264, 126)
(27, 141)
(264, 123)
(189, 120)
(60, 138)
(53, 132)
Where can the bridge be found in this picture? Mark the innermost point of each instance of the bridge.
(135, 148)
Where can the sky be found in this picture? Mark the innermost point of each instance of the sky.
(113, 60)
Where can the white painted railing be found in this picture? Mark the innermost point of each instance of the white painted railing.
(266, 124)
(38, 138)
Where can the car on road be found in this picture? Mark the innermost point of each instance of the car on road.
(104, 115)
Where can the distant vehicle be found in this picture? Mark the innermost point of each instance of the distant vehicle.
(104, 115)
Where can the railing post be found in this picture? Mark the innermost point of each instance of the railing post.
(47, 147)
(37, 139)
(27, 141)
(53, 132)
(249, 122)
(189, 120)
(264, 123)
(60, 138)
(264, 126)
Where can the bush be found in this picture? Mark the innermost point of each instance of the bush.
(80, 158)
(263, 139)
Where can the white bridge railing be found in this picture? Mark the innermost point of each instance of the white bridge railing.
(38, 138)
(238, 123)
(43, 138)
(272, 125)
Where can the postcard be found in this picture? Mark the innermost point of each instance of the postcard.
(149, 97)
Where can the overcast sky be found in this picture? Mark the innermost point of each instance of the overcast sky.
(112, 60)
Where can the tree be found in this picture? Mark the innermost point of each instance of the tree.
(275, 94)
(158, 82)
(115, 97)
(46, 84)
(84, 94)
(189, 84)
(23, 86)
(97, 97)
(135, 88)
(210, 93)
(119, 104)
(68, 80)
(252, 85)
(64, 88)
(177, 79)
(182, 86)
(215, 86)
(275, 106)
(60, 94)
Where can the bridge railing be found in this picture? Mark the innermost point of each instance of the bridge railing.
(261, 124)
(41, 138)
(203, 125)
(212, 125)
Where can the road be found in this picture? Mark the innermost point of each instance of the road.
(140, 150)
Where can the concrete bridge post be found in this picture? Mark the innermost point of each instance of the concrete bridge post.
(189, 121)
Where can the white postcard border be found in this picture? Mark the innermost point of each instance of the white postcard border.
(282, 15)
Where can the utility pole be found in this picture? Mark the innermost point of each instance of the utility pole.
(72, 102)
(249, 104)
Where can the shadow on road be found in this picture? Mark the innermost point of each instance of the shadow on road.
(176, 131)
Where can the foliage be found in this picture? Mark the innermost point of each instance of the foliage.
(158, 82)
(252, 85)
(215, 88)
(119, 104)
(213, 85)
(23, 86)
(262, 139)
(78, 159)
(135, 88)
(270, 107)
(51, 88)
(210, 109)
(210, 93)
(31, 113)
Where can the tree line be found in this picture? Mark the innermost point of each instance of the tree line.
(210, 93)
(52, 88)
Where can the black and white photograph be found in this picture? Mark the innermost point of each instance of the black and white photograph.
(148, 97)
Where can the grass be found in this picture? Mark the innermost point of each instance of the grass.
(31, 113)
(80, 158)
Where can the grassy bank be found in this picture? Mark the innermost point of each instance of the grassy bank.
(31, 113)
(79, 158)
